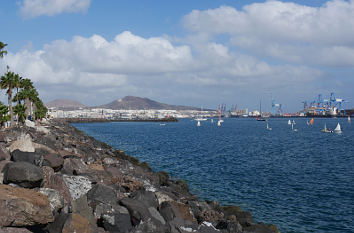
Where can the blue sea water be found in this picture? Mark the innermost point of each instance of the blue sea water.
(301, 181)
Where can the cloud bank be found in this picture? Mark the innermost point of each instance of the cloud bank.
(285, 31)
(35, 8)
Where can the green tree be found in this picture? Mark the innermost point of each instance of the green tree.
(4, 114)
(41, 109)
(2, 51)
(7, 82)
(28, 96)
(20, 111)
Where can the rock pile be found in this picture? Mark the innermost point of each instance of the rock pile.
(54, 178)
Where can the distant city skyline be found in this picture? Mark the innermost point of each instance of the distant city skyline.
(198, 53)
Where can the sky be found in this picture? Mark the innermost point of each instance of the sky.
(188, 52)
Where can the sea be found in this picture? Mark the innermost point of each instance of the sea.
(302, 181)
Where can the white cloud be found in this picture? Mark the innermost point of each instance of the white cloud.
(34, 8)
(94, 71)
(286, 31)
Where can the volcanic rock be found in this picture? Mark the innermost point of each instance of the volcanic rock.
(77, 185)
(55, 199)
(4, 155)
(23, 207)
(24, 143)
(30, 157)
(24, 174)
(77, 223)
(54, 161)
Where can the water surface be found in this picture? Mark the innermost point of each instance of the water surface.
(301, 181)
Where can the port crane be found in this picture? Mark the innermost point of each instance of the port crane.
(276, 108)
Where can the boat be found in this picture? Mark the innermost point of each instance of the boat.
(349, 119)
(212, 120)
(311, 121)
(338, 129)
(292, 127)
(289, 122)
(219, 122)
(268, 128)
(260, 118)
(325, 130)
(162, 124)
(294, 123)
(198, 124)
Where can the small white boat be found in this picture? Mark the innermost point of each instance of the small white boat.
(212, 120)
(325, 130)
(338, 129)
(162, 124)
(289, 122)
(292, 127)
(268, 128)
(294, 123)
(219, 122)
(198, 124)
(349, 121)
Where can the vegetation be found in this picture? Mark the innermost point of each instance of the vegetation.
(26, 97)
(20, 111)
(4, 114)
(7, 82)
(2, 51)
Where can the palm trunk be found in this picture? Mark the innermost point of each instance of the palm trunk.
(18, 102)
(10, 107)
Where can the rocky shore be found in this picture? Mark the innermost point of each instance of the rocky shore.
(54, 178)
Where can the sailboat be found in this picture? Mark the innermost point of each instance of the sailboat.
(325, 130)
(260, 118)
(294, 123)
(349, 119)
(219, 122)
(338, 129)
(289, 122)
(310, 122)
(292, 127)
(198, 124)
(268, 128)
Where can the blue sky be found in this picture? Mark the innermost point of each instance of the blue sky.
(200, 52)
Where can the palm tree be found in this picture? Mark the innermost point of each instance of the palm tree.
(20, 111)
(6, 82)
(28, 96)
(17, 83)
(4, 114)
(2, 51)
(41, 109)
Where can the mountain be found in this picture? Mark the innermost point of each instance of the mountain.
(65, 104)
(136, 103)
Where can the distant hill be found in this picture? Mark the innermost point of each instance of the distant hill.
(65, 104)
(136, 103)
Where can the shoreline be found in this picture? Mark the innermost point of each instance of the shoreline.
(104, 188)
(98, 120)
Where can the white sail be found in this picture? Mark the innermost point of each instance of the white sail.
(198, 124)
(268, 128)
(219, 123)
(338, 129)
(289, 122)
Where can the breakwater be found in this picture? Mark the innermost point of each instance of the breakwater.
(94, 120)
(57, 179)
